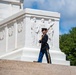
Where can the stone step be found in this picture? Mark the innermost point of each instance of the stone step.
(36, 57)
(54, 54)
(12, 55)
(8, 67)
(54, 61)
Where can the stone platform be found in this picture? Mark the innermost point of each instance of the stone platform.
(8, 67)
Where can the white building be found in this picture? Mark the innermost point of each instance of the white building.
(10, 7)
(20, 32)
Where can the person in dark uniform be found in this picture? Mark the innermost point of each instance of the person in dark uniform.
(44, 47)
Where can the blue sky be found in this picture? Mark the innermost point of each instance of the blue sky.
(67, 9)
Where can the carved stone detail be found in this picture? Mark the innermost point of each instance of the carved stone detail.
(10, 30)
(36, 27)
(36, 30)
(34, 20)
(42, 20)
(42, 24)
(20, 27)
(2, 35)
(50, 31)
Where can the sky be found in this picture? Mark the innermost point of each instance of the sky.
(67, 9)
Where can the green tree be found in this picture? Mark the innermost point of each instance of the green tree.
(68, 45)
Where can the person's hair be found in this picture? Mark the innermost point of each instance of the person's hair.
(44, 29)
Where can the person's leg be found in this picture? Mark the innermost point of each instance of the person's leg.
(48, 56)
(40, 56)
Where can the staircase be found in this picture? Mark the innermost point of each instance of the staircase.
(8, 67)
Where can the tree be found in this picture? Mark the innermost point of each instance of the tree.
(68, 45)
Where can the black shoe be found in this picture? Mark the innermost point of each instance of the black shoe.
(35, 61)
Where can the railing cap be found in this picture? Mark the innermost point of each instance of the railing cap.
(31, 12)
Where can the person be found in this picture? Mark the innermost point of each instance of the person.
(44, 47)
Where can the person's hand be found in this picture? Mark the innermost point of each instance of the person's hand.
(39, 41)
(41, 37)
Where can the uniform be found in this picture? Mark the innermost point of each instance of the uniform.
(44, 49)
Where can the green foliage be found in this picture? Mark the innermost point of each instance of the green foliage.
(68, 45)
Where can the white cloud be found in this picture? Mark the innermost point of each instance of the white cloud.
(66, 6)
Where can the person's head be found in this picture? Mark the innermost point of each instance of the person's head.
(44, 30)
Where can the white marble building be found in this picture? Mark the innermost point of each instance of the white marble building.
(19, 35)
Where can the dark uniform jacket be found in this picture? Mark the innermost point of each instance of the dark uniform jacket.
(44, 44)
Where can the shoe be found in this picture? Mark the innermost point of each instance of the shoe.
(35, 61)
